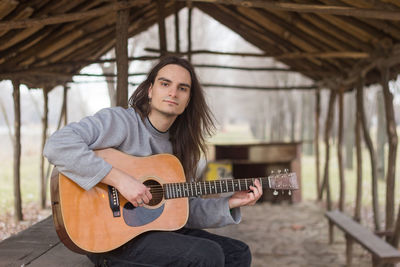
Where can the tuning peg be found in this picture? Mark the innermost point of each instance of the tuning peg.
(290, 192)
(275, 192)
(279, 171)
(286, 170)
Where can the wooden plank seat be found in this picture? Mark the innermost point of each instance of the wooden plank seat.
(39, 246)
(381, 251)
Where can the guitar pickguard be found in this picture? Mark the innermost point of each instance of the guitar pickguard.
(141, 215)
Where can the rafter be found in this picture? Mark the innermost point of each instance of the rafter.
(307, 8)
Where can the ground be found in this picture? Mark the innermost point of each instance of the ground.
(290, 235)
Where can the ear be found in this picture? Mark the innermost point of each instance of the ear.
(150, 91)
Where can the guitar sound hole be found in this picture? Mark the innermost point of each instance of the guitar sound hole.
(156, 191)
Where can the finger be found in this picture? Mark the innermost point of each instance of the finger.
(145, 199)
(148, 194)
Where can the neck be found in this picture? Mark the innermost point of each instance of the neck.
(160, 122)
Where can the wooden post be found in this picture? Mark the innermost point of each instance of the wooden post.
(349, 250)
(396, 232)
(316, 139)
(177, 38)
(368, 141)
(357, 129)
(340, 152)
(121, 51)
(392, 141)
(43, 178)
(17, 153)
(189, 32)
(161, 27)
(328, 128)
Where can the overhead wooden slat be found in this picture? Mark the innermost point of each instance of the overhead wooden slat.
(69, 17)
(307, 8)
(7, 6)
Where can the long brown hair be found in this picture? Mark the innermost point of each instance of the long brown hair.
(188, 132)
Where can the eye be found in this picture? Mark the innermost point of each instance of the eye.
(183, 88)
(164, 84)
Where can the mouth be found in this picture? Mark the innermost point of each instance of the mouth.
(171, 102)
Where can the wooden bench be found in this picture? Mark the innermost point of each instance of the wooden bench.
(39, 246)
(382, 252)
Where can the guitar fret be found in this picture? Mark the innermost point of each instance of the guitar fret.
(240, 187)
(167, 191)
(247, 187)
(191, 188)
(205, 188)
(233, 186)
(215, 187)
(220, 185)
(226, 185)
(175, 190)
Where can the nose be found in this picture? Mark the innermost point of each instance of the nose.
(172, 91)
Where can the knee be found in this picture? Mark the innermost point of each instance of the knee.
(240, 255)
(209, 255)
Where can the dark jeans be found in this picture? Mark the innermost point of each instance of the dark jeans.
(185, 247)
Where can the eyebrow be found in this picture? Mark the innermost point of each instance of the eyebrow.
(167, 80)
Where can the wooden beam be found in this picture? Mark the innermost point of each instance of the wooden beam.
(17, 152)
(161, 27)
(295, 55)
(342, 180)
(316, 139)
(45, 122)
(121, 51)
(176, 21)
(301, 87)
(309, 8)
(8, 25)
(189, 33)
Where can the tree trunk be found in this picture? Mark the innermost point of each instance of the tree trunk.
(392, 139)
(327, 135)
(316, 139)
(357, 208)
(349, 136)
(306, 124)
(380, 136)
(340, 153)
(368, 141)
(43, 178)
(17, 153)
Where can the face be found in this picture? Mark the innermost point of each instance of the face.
(170, 93)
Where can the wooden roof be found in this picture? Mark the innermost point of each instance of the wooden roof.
(43, 43)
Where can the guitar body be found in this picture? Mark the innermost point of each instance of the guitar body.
(84, 220)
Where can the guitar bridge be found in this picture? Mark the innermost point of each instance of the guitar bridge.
(114, 201)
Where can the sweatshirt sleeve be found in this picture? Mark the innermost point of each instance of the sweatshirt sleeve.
(211, 213)
(71, 148)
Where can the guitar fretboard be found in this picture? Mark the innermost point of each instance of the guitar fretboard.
(194, 189)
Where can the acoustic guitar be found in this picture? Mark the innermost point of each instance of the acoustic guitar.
(100, 220)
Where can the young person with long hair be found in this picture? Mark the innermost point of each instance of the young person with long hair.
(167, 114)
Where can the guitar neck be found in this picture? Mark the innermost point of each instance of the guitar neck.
(194, 189)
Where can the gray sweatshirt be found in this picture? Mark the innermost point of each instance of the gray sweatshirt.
(71, 150)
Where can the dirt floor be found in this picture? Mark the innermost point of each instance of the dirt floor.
(291, 235)
(278, 235)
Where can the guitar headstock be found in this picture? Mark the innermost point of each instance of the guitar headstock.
(283, 181)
